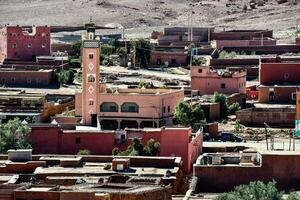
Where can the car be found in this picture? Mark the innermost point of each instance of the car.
(229, 137)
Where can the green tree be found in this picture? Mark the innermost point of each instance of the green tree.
(65, 76)
(143, 49)
(233, 108)
(254, 191)
(221, 99)
(106, 49)
(77, 48)
(138, 149)
(115, 45)
(188, 115)
(293, 196)
(14, 135)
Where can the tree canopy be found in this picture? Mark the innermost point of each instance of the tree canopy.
(257, 191)
(138, 149)
(14, 135)
(143, 49)
(65, 76)
(188, 115)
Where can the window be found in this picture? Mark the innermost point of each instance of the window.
(91, 78)
(91, 56)
(173, 61)
(77, 140)
(13, 79)
(158, 61)
(13, 34)
(164, 109)
(29, 80)
(223, 85)
(14, 46)
(43, 45)
(169, 109)
(294, 96)
(109, 107)
(200, 71)
(29, 45)
(130, 107)
(91, 102)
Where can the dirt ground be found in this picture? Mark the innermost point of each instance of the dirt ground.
(143, 16)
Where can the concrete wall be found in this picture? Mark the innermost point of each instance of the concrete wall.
(281, 117)
(281, 168)
(279, 73)
(173, 59)
(281, 94)
(40, 78)
(241, 35)
(220, 44)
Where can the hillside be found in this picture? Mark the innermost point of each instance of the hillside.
(151, 13)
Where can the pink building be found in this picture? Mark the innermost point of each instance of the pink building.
(208, 81)
(24, 43)
(51, 139)
(134, 108)
(119, 108)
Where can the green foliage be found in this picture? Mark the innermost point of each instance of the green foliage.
(254, 191)
(145, 84)
(106, 49)
(65, 76)
(14, 135)
(115, 45)
(238, 127)
(74, 63)
(221, 99)
(187, 115)
(232, 54)
(122, 51)
(143, 50)
(84, 152)
(233, 108)
(198, 61)
(293, 196)
(138, 149)
(77, 48)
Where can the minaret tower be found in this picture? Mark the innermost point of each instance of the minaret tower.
(90, 75)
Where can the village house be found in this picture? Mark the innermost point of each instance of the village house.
(53, 139)
(208, 81)
(279, 81)
(24, 43)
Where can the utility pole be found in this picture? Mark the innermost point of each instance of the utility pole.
(192, 26)
(189, 34)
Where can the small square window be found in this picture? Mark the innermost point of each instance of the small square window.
(77, 140)
(14, 46)
(91, 56)
(29, 45)
(200, 71)
(13, 79)
(223, 85)
(91, 102)
(43, 45)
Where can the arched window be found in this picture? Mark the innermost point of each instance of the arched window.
(130, 107)
(91, 78)
(109, 107)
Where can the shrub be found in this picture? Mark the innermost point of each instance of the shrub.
(233, 108)
(84, 152)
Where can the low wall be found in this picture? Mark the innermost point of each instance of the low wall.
(273, 116)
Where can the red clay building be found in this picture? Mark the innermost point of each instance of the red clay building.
(168, 59)
(53, 140)
(208, 81)
(241, 34)
(221, 172)
(279, 81)
(24, 43)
